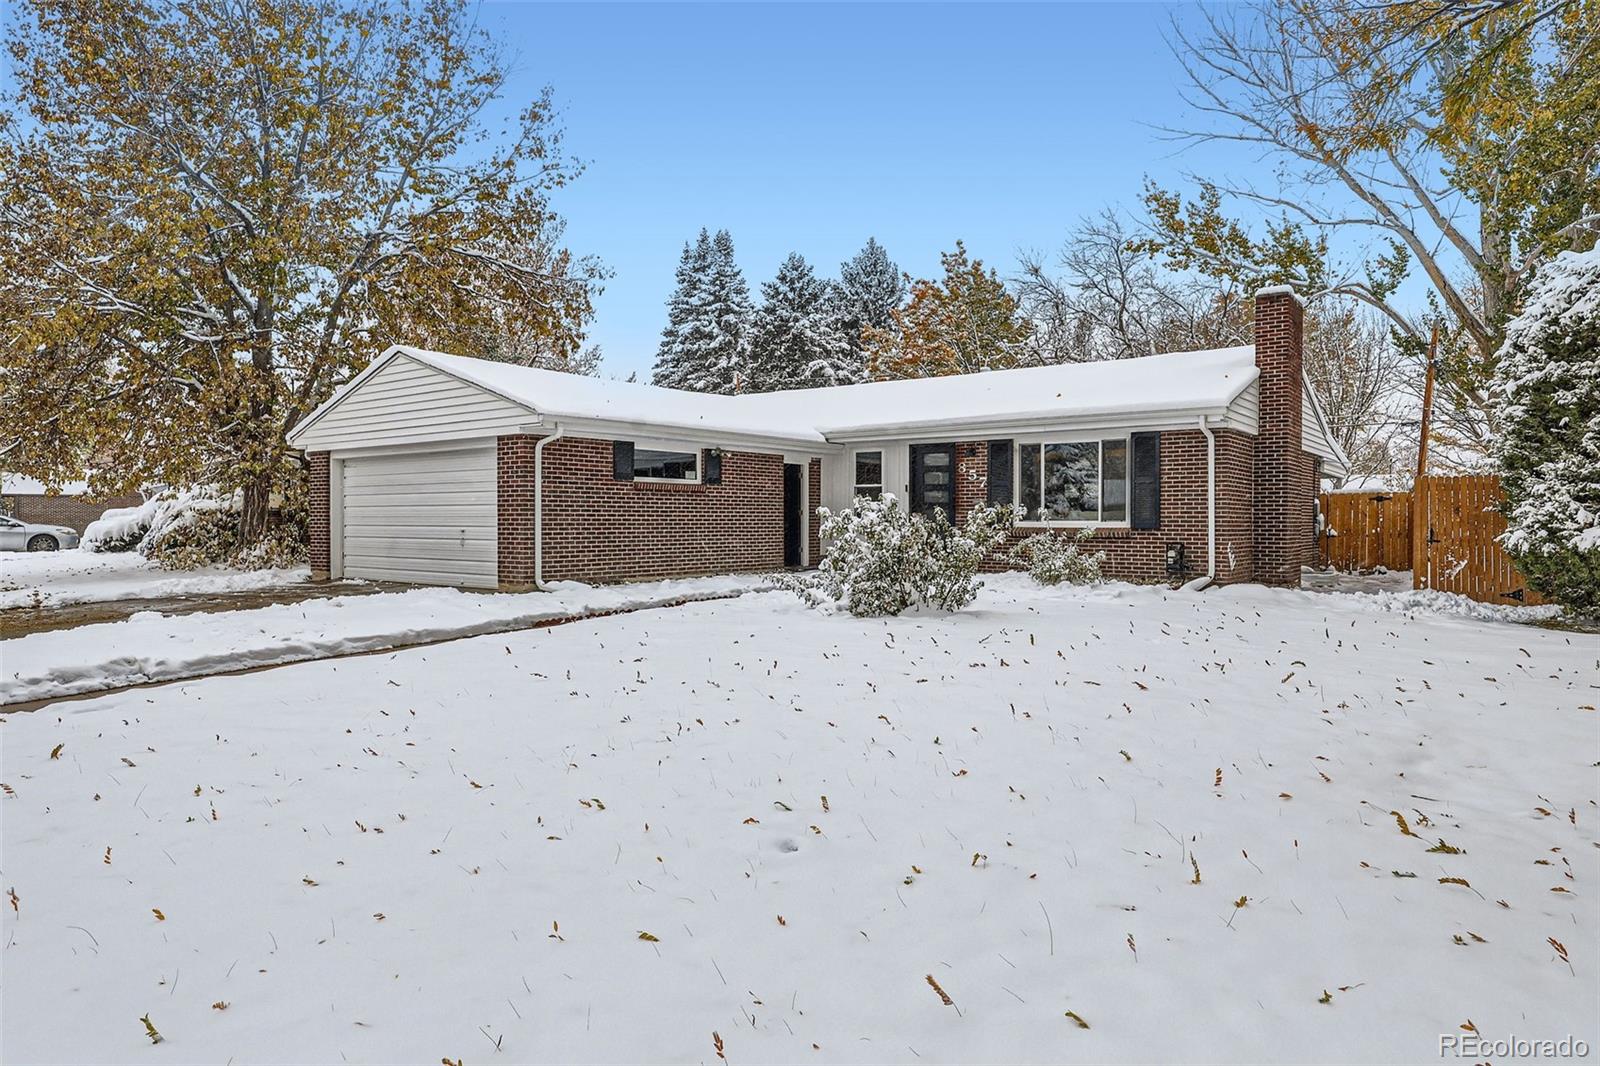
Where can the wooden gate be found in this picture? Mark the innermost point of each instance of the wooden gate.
(1455, 540)
(1366, 530)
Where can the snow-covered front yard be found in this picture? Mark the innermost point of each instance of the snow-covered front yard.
(54, 579)
(1108, 825)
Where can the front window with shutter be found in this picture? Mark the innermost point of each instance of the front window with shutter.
(653, 465)
(1076, 483)
(653, 461)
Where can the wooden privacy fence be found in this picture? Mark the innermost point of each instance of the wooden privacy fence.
(1366, 530)
(1455, 540)
(1446, 531)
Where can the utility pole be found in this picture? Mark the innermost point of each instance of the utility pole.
(1427, 405)
(1421, 531)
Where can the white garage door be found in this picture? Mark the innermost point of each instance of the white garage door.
(428, 517)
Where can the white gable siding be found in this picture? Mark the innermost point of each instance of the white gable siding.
(1244, 413)
(1313, 436)
(409, 402)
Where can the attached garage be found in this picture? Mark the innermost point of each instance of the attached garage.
(427, 517)
(429, 468)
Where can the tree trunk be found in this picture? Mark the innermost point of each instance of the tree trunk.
(253, 514)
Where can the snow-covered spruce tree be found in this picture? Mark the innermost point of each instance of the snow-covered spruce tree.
(723, 365)
(689, 326)
(881, 560)
(799, 340)
(1051, 559)
(1547, 388)
(871, 289)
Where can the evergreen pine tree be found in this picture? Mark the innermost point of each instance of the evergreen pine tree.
(799, 339)
(1547, 387)
(722, 363)
(872, 289)
(689, 329)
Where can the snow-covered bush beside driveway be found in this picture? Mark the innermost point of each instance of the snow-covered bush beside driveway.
(196, 527)
(881, 560)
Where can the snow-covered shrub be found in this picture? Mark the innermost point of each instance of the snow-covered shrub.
(118, 529)
(880, 560)
(1051, 559)
(1547, 387)
(196, 527)
(128, 528)
(200, 535)
(952, 554)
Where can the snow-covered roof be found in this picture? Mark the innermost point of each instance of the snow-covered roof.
(1172, 385)
(559, 396)
(1179, 382)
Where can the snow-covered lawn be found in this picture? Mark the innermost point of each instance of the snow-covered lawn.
(150, 646)
(1239, 826)
(52, 579)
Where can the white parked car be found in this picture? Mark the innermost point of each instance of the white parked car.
(32, 537)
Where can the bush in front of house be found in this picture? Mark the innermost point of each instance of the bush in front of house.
(880, 560)
(1051, 560)
(1547, 387)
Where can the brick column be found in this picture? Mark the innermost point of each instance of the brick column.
(813, 519)
(317, 505)
(972, 477)
(514, 513)
(1283, 469)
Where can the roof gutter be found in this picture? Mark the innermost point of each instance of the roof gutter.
(538, 506)
(988, 428)
(1211, 510)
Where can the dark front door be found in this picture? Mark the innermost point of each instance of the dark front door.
(791, 514)
(933, 479)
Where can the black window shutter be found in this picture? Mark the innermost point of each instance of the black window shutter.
(1000, 488)
(713, 466)
(1146, 488)
(622, 460)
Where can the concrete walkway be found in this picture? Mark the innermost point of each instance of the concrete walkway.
(21, 621)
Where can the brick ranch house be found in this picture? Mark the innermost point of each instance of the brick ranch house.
(29, 500)
(449, 470)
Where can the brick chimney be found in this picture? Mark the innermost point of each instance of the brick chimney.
(1285, 474)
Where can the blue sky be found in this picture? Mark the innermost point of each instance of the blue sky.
(809, 127)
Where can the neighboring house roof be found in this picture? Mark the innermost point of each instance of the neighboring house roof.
(17, 485)
(1169, 387)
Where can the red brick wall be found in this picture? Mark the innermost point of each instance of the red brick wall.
(514, 520)
(317, 505)
(1236, 530)
(75, 512)
(813, 519)
(1285, 474)
(1141, 554)
(601, 530)
(972, 477)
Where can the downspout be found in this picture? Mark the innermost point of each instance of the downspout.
(538, 507)
(1211, 510)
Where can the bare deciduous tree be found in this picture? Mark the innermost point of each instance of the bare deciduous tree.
(1102, 298)
(1475, 178)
